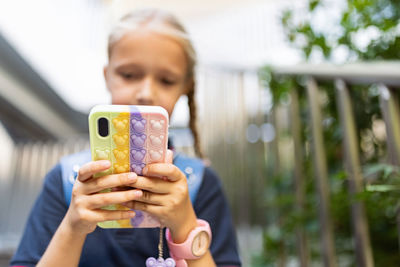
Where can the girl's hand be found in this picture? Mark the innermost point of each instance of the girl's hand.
(84, 211)
(165, 194)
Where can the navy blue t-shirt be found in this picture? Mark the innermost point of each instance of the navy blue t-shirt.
(124, 247)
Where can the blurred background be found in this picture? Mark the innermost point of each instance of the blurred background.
(299, 114)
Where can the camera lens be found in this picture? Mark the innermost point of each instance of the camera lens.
(102, 126)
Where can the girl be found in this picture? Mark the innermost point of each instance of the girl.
(151, 62)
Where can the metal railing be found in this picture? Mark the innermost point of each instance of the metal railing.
(387, 78)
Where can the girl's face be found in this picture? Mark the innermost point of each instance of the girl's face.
(146, 68)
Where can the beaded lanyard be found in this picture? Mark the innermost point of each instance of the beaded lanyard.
(160, 262)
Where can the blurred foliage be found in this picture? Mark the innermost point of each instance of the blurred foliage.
(378, 20)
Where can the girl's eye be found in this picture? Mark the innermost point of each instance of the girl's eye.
(167, 82)
(129, 75)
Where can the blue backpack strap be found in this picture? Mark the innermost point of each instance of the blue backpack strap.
(69, 171)
(193, 169)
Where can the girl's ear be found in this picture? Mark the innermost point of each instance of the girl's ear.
(105, 73)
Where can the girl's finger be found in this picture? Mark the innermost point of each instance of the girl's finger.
(120, 188)
(155, 185)
(100, 215)
(169, 171)
(149, 198)
(109, 181)
(150, 208)
(90, 168)
(99, 200)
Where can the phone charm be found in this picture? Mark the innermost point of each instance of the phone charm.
(160, 262)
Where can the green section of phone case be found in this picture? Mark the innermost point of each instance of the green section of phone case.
(103, 148)
(100, 146)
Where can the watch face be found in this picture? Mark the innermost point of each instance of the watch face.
(200, 244)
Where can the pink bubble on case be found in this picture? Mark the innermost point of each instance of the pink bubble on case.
(156, 140)
(157, 124)
(156, 155)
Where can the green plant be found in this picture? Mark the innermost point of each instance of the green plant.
(378, 19)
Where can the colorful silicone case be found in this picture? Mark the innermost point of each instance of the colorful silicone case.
(137, 135)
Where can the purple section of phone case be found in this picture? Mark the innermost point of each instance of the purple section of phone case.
(138, 140)
(137, 167)
(138, 219)
(137, 132)
(138, 123)
(138, 154)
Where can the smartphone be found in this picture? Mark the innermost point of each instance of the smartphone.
(130, 137)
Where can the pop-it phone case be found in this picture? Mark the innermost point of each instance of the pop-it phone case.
(137, 135)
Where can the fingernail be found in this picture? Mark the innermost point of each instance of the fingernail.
(131, 214)
(138, 193)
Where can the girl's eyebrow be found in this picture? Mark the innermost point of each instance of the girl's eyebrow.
(169, 72)
(128, 65)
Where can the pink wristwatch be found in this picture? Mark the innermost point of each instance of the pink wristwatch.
(195, 246)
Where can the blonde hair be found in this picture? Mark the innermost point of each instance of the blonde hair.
(164, 23)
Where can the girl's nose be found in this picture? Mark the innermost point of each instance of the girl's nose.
(146, 93)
